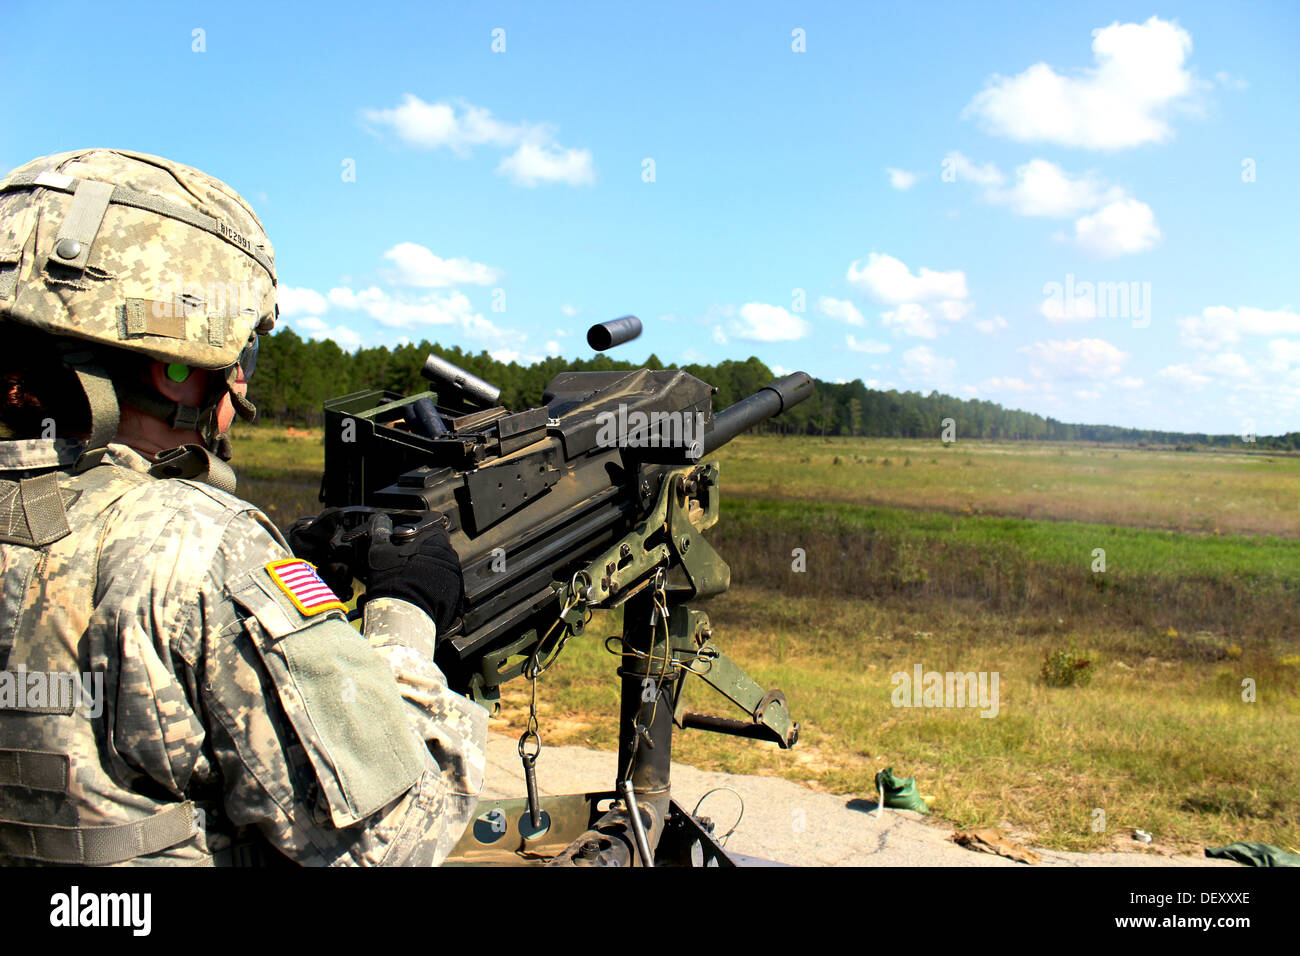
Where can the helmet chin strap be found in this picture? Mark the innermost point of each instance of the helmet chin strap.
(203, 419)
(217, 442)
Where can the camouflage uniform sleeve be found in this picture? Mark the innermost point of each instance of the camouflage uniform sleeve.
(335, 757)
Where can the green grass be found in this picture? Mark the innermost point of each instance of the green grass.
(1068, 544)
(1159, 741)
(1183, 491)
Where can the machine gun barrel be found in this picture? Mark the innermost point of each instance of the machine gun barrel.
(768, 401)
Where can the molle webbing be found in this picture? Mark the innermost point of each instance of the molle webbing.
(98, 846)
(33, 511)
(34, 770)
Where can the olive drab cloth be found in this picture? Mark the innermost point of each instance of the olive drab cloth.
(206, 703)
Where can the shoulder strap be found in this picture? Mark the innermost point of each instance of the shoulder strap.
(197, 463)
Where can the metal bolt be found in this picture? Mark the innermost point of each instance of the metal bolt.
(68, 249)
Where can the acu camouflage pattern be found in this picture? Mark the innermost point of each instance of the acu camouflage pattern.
(217, 692)
(138, 263)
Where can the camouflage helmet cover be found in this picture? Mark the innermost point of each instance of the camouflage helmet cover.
(134, 252)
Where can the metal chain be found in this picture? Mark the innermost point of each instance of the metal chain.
(536, 668)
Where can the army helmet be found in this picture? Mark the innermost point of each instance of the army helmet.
(133, 252)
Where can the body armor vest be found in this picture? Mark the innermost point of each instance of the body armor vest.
(67, 793)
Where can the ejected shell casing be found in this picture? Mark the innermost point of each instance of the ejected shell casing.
(605, 335)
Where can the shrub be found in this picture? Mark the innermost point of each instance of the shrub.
(1067, 668)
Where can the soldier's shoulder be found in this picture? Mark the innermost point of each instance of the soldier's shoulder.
(186, 498)
(194, 523)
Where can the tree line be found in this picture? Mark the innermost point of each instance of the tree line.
(295, 376)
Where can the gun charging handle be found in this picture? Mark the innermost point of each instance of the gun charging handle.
(605, 335)
(443, 373)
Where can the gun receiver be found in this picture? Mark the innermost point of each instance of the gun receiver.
(596, 500)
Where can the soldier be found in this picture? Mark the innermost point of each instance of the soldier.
(175, 686)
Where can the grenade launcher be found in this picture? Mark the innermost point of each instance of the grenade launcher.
(598, 499)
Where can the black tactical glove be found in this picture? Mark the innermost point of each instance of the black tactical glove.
(318, 539)
(421, 568)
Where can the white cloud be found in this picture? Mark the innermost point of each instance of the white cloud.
(418, 266)
(299, 301)
(569, 310)
(1139, 77)
(308, 323)
(343, 336)
(1220, 325)
(840, 309)
(552, 348)
(1182, 376)
(1129, 382)
(963, 170)
(1044, 189)
(719, 336)
(922, 364)
(431, 309)
(433, 125)
(768, 323)
(534, 163)
(1231, 365)
(1118, 224)
(901, 178)
(1085, 393)
(889, 280)
(1010, 385)
(912, 319)
(418, 312)
(537, 157)
(870, 346)
(1074, 359)
(1056, 309)
(506, 356)
(1118, 228)
(990, 326)
(1285, 351)
(952, 310)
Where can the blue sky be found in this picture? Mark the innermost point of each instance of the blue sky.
(1086, 212)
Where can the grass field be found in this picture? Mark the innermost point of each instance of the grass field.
(1211, 492)
(981, 557)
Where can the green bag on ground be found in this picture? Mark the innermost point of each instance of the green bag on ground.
(1253, 854)
(899, 794)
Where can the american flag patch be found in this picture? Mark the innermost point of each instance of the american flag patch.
(299, 580)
